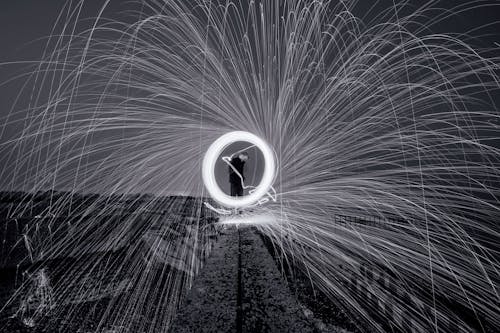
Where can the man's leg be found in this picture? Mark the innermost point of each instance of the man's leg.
(240, 191)
(236, 190)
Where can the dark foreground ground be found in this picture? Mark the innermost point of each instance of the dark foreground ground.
(238, 282)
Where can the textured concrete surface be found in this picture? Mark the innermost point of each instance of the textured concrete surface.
(240, 290)
(268, 305)
(211, 304)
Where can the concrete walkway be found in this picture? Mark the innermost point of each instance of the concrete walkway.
(240, 290)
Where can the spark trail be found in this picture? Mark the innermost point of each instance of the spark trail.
(373, 118)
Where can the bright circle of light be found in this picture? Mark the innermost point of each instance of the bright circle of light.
(213, 153)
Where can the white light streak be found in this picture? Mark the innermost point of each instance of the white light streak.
(214, 152)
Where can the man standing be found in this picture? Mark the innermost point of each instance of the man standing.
(236, 176)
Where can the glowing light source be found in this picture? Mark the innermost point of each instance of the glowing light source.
(213, 154)
(259, 219)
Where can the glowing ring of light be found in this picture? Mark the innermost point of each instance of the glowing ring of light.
(213, 153)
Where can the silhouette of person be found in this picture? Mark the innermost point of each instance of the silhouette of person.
(238, 165)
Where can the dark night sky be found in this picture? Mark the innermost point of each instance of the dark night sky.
(25, 24)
